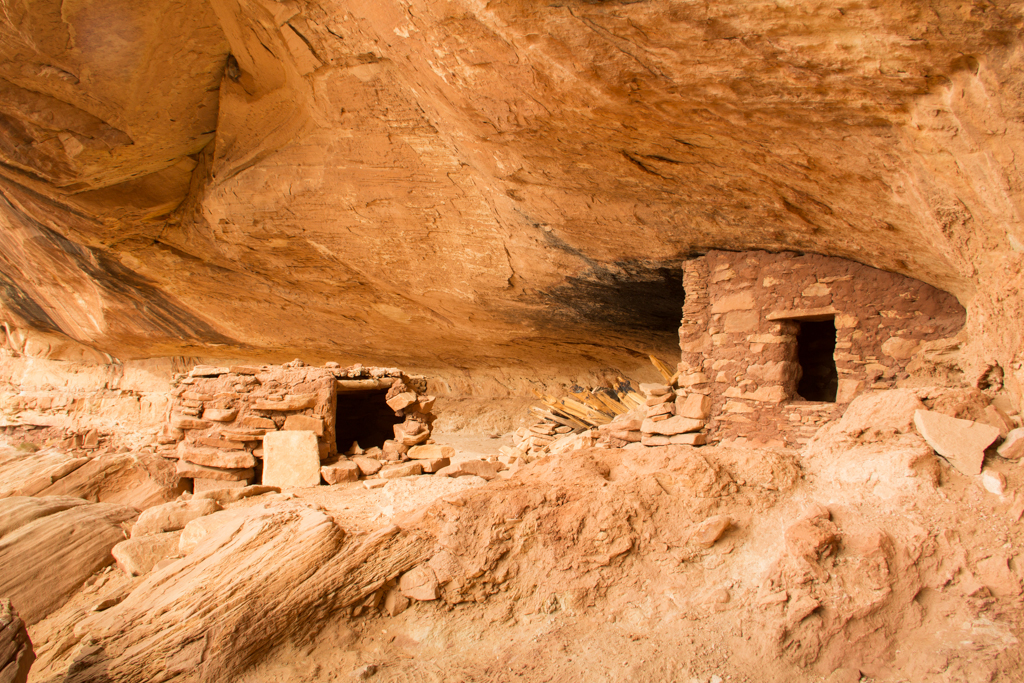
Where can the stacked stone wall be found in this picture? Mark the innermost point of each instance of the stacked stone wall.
(738, 336)
(220, 415)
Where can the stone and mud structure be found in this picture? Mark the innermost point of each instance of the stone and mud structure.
(415, 341)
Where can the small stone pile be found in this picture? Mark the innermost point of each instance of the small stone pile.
(672, 415)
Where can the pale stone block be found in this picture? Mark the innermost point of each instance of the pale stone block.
(848, 389)
(190, 470)
(137, 556)
(434, 464)
(817, 289)
(733, 302)
(405, 469)
(773, 372)
(401, 401)
(291, 459)
(341, 471)
(297, 402)
(368, 466)
(202, 485)
(900, 348)
(674, 425)
(775, 394)
(220, 414)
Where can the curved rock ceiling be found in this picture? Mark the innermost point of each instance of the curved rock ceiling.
(470, 184)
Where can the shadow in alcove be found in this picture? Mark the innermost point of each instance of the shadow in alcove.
(638, 297)
(364, 417)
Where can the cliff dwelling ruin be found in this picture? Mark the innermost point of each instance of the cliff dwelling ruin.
(576, 341)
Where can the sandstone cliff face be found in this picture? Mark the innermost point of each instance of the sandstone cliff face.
(470, 184)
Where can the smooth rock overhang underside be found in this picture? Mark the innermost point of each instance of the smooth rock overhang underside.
(470, 184)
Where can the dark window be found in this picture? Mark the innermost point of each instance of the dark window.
(364, 417)
(815, 350)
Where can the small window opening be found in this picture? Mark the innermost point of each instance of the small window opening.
(365, 418)
(815, 350)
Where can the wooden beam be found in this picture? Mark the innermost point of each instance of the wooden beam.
(345, 386)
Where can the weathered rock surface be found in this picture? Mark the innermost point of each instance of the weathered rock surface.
(961, 442)
(266, 573)
(45, 560)
(139, 554)
(173, 516)
(139, 480)
(16, 653)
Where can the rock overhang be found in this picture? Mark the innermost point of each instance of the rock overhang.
(467, 187)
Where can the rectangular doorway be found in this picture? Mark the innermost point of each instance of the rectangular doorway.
(815, 350)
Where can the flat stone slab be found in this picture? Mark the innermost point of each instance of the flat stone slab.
(291, 459)
(406, 469)
(961, 442)
(431, 452)
(191, 470)
(671, 426)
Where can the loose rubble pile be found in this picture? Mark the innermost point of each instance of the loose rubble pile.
(671, 416)
(660, 415)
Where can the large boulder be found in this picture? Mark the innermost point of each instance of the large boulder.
(45, 560)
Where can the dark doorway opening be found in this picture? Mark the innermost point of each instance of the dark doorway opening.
(815, 350)
(364, 417)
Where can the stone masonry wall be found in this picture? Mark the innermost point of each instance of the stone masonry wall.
(220, 415)
(738, 336)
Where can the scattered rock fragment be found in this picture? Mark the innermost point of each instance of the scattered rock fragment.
(138, 555)
(961, 442)
(368, 466)
(405, 469)
(419, 583)
(1012, 447)
(431, 452)
(340, 472)
(710, 530)
(994, 482)
(395, 603)
(172, 516)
